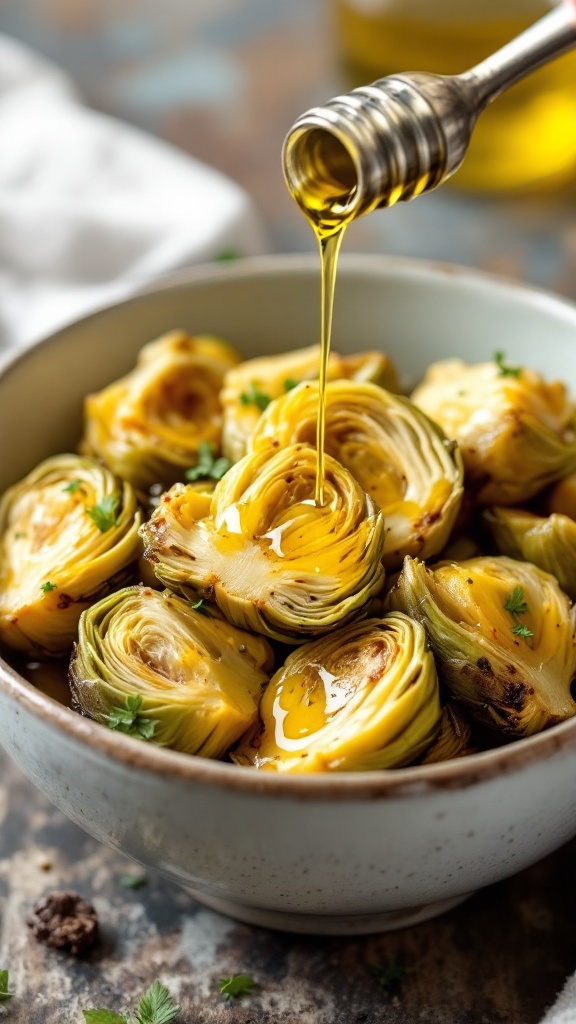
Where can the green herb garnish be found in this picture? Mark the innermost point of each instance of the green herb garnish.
(47, 587)
(516, 605)
(103, 515)
(254, 396)
(200, 606)
(207, 467)
(227, 254)
(4, 986)
(129, 881)
(155, 1007)
(290, 383)
(389, 974)
(504, 368)
(73, 486)
(236, 986)
(129, 721)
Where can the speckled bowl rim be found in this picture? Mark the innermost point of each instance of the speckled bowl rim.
(390, 784)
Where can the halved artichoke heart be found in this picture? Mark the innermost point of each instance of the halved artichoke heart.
(454, 738)
(148, 425)
(68, 535)
(397, 455)
(363, 698)
(249, 387)
(516, 432)
(200, 679)
(271, 559)
(547, 541)
(503, 634)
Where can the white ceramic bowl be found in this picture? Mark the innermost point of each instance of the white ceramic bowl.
(343, 853)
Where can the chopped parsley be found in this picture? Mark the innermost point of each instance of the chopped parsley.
(227, 254)
(516, 605)
(103, 514)
(254, 396)
(47, 587)
(207, 467)
(73, 486)
(389, 974)
(504, 368)
(290, 383)
(129, 881)
(155, 1007)
(127, 719)
(236, 986)
(4, 986)
(199, 606)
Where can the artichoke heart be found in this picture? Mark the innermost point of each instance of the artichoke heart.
(147, 426)
(454, 739)
(248, 388)
(503, 633)
(516, 432)
(547, 541)
(364, 698)
(271, 559)
(68, 535)
(397, 455)
(199, 678)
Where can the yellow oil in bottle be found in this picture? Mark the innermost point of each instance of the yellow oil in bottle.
(527, 137)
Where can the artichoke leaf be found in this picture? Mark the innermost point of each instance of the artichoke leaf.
(148, 426)
(200, 679)
(273, 561)
(454, 738)
(517, 433)
(547, 541)
(68, 535)
(503, 634)
(397, 455)
(249, 387)
(365, 697)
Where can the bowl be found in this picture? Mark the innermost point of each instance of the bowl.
(344, 853)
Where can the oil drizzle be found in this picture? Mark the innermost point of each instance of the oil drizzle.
(329, 247)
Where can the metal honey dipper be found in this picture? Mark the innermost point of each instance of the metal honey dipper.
(405, 134)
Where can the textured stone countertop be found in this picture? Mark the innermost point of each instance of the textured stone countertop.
(224, 81)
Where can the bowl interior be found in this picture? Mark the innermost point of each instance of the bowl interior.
(417, 313)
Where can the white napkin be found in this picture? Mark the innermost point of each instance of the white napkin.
(90, 208)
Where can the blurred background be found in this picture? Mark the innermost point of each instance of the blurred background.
(224, 79)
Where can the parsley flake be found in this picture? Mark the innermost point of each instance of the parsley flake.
(129, 881)
(128, 720)
(516, 605)
(155, 1007)
(47, 587)
(207, 467)
(73, 486)
(389, 974)
(504, 368)
(290, 383)
(227, 254)
(103, 514)
(200, 606)
(523, 631)
(4, 984)
(236, 986)
(254, 396)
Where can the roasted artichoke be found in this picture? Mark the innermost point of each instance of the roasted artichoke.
(517, 433)
(454, 738)
(148, 426)
(250, 387)
(547, 541)
(198, 679)
(68, 535)
(363, 698)
(273, 561)
(503, 634)
(392, 449)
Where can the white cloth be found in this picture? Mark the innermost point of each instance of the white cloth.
(564, 1009)
(91, 208)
